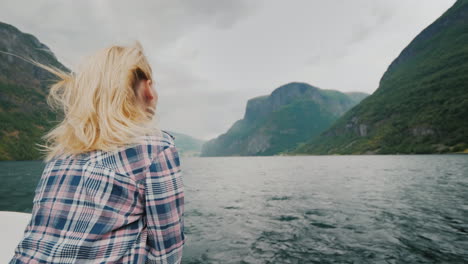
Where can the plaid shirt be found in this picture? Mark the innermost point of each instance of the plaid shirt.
(125, 206)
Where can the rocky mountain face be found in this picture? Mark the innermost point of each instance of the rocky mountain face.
(277, 122)
(24, 114)
(421, 104)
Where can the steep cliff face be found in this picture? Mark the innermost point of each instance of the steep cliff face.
(421, 104)
(278, 122)
(24, 114)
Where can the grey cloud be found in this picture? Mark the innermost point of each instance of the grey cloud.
(79, 27)
(210, 56)
(379, 12)
(201, 113)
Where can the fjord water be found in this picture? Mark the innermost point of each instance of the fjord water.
(310, 209)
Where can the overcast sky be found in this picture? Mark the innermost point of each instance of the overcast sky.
(210, 56)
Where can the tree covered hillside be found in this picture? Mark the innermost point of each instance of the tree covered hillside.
(421, 105)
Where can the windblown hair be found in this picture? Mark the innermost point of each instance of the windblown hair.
(99, 103)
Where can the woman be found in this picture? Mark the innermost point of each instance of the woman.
(111, 190)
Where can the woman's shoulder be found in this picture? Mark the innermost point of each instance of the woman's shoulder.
(139, 157)
(155, 143)
(134, 157)
(160, 138)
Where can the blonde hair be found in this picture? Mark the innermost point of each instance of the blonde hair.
(99, 103)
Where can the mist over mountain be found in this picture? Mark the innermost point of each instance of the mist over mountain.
(187, 145)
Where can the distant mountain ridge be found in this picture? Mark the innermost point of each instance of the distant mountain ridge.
(277, 122)
(421, 105)
(187, 145)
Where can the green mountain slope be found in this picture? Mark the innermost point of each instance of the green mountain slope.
(24, 114)
(277, 122)
(421, 105)
(187, 145)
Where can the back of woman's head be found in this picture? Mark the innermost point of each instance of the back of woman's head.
(99, 101)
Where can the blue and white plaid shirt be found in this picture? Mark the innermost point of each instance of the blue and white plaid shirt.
(108, 207)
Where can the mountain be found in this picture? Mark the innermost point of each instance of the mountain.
(277, 122)
(187, 145)
(421, 104)
(24, 114)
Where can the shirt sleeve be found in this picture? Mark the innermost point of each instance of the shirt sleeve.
(164, 204)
